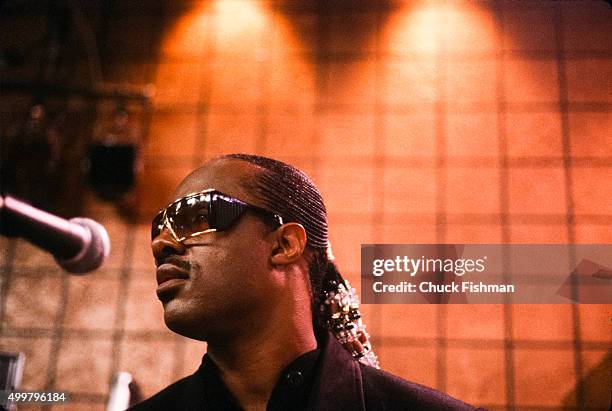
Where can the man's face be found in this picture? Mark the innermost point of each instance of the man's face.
(219, 281)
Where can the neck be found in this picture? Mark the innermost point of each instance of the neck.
(250, 363)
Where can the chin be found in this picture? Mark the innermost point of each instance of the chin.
(183, 323)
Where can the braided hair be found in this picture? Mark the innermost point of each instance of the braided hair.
(290, 193)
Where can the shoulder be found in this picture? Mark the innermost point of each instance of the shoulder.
(385, 391)
(170, 398)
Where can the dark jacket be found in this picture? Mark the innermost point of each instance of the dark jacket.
(341, 383)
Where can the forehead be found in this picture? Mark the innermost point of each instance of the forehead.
(230, 176)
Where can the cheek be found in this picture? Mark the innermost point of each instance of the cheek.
(222, 277)
(210, 274)
(246, 268)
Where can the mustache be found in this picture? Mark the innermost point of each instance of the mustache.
(174, 260)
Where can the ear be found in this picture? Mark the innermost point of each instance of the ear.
(290, 244)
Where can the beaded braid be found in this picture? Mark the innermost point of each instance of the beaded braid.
(339, 313)
(288, 192)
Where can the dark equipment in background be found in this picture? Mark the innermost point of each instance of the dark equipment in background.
(113, 156)
(30, 158)
(51, 144)
(42, 155)
(112, 170)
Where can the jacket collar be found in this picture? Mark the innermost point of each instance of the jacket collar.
(338, 385)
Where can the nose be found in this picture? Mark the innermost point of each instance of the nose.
(164, 245)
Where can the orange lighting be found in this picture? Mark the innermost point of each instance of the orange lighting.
(468, 28)
(231, 26)
(240, 27)
(422, 28)
(413, 30)
(233, 38)
(187, 35)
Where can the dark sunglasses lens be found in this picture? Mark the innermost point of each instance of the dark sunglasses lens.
(189, 216)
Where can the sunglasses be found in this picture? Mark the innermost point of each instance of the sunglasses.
(204, 212)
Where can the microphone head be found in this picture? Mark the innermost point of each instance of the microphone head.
(94, 251)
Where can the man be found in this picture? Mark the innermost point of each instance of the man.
(243, 262)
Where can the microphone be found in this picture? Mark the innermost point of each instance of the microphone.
(79, 245)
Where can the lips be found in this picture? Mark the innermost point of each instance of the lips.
(170, 279)
(167, 272)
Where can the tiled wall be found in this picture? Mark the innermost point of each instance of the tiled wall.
(440, 121)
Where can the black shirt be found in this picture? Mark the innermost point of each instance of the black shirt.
(291, 391)
(331, 380)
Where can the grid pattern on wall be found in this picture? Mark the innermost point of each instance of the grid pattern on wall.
(420, 122)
